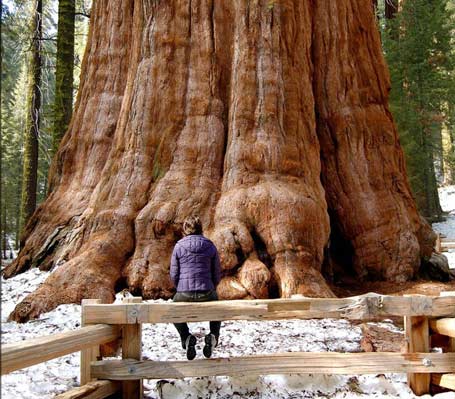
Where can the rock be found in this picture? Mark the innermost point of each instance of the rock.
(437, 268)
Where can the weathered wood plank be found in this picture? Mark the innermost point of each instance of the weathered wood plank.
(445, 326)
(418, 340)
(89, 354)
(361, 307)
(444, 380)
(164, 312)
(37, 350)
(282, 363)
(92, 390)
(132, 349)
(437, 244)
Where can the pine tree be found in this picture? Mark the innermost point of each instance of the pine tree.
(64, 70)
(421, 63)
(12, 121)
(30, 161)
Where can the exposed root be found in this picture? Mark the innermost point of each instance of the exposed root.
(230, 288)
(295, 274)
(255, 277)
(68, 284)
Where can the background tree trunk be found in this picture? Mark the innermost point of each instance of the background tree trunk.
(391, 8)
(233, 111)
(430, 206)
(30, 160)
(64, 70)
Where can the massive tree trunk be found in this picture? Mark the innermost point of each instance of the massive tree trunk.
(233, 111)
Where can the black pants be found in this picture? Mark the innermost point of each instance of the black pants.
(196, 296)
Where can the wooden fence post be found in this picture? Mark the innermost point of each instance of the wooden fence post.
(438, 245)
(90, 354)
(132, 349)
(444, 331)
(418, 340)
(451, 347)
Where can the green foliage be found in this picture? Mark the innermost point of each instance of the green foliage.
(418, 45)
(12, 120)
(16, 39)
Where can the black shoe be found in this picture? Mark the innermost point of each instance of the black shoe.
(210, 342)
(190, 344)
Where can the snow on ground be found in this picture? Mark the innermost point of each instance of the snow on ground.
(238, 338)
(447, 228)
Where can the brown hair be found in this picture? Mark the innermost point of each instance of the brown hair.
(192, 225)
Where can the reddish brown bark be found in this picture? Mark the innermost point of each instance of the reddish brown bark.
(363, 167)
(226, 109)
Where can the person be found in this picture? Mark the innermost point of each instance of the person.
(195, 271)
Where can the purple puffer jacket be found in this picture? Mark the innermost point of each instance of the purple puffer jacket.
(195, 264)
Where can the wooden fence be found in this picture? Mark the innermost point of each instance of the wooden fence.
(121, 324)
(444, 244)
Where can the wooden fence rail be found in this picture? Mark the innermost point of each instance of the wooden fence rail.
(362, 307)
(280, 363)
(445, 326)
(121, 322)
(38, 350)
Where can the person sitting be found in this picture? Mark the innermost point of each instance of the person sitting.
(195, 271)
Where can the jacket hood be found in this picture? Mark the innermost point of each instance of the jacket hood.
(196, 244)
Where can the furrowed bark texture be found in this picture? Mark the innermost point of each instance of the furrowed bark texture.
(31, 134)
(263, 118)
(64, 71)
(363, 167)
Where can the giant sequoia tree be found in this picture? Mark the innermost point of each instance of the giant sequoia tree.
(268, 119)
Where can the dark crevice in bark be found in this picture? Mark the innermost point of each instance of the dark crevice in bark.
(190, 12)
(240, 256)
(338, 256)
(272, 8)
(121, 284)
(212, 26)
(45, 258)
(274, 289)
(261, 249)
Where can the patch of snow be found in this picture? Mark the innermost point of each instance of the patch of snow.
(447, 198)
(447, 227)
